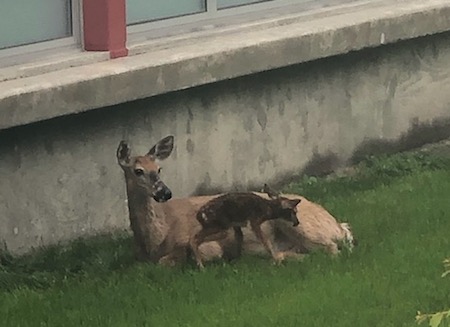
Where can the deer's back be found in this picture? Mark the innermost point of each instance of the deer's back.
(317, 225)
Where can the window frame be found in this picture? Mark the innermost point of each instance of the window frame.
(209, 14)
(74, 41)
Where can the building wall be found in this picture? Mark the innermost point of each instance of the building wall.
(60, 179)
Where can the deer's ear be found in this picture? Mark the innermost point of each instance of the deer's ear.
(270, 192)
(123, 153)
(162, 149)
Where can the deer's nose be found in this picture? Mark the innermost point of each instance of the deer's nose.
(163, 193)
(167, 194)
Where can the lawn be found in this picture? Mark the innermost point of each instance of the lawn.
(398, 206)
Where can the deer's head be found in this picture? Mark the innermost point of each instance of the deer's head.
(143, 171)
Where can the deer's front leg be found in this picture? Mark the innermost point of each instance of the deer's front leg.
(256, 227)
(176, 256)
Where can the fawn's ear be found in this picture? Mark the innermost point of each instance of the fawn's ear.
(289, 204)
(294, 202)
(162, 149)
(123, 153)
(270, 192)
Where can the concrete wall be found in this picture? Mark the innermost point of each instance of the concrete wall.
(59, 178)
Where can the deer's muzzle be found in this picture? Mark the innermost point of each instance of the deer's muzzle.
(162, 192)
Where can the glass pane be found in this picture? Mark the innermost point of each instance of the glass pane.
(30, 21)
(140, 11)
(222, 4)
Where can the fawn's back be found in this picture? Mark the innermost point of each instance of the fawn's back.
(236, 209)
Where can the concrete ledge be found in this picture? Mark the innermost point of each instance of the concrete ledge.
(211, 57)
(49, 61)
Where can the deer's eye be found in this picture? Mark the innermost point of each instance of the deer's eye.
(139, 172)
(159, 170)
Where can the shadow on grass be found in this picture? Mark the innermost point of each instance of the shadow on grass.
(371, 171)
(419, 134)
(50, 265)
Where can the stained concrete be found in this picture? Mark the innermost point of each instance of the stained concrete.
(59, 178)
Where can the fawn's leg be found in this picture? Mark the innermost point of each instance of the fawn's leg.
(256, 227)
(205, 235)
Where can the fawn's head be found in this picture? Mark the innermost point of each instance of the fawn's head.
(143, 171)
(287, 208)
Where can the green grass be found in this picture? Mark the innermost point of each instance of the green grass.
(399, 208)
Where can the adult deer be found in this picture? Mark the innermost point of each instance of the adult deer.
(162, 229)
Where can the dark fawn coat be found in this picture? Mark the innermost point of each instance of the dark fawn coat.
(236, 210)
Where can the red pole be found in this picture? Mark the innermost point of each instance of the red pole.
(104, 26)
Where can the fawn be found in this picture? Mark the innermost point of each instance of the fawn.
(237, 210)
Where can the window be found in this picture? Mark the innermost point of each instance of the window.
(25, 22)
(188, 11)
(139, 11)
(35, 29)
(223, 4)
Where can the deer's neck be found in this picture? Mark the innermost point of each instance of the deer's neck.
(149, 227)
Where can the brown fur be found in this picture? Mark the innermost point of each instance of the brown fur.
(237, 210)
(162, 230)
(318, 229)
